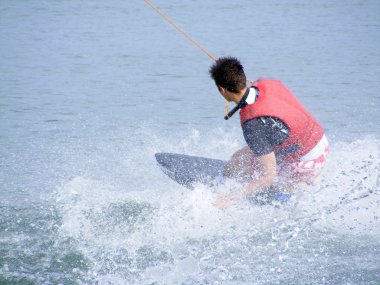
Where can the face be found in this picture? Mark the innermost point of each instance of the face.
(227, 95)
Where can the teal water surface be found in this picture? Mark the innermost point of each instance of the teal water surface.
(90, 90)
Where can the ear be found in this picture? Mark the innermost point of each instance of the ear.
(222, 90)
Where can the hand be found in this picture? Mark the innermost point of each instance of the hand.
(222, 202)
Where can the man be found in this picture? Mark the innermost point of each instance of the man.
(286, 145)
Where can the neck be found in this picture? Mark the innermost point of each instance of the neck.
(239, 95)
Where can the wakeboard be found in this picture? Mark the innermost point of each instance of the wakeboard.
(189, 170)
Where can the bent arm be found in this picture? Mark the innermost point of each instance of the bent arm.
(268, 174)
(239, 163)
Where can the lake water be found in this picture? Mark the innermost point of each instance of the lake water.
(90, 90)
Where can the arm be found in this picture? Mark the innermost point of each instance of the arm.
(239, 163)
(261, 134)
(268, 174)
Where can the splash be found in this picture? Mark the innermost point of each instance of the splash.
(163, 233)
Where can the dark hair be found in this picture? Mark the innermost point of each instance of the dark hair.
(228, 73)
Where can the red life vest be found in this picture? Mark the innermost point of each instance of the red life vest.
(275, 100)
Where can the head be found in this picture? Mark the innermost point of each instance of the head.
(228, 74)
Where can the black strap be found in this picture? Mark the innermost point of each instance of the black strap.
(241, 104)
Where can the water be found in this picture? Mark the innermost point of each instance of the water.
(90, 90)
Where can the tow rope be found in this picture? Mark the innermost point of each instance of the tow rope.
(228, 114)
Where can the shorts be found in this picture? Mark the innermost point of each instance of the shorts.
(310, 166)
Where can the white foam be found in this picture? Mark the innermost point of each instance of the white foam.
(172, 223)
